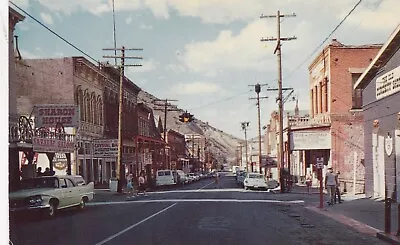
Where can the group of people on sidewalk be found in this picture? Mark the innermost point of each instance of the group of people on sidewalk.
(332, 185)
(133, 189)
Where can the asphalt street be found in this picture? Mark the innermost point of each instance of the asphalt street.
(199, 213)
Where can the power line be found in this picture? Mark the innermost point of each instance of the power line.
(316, 49)
(40, 23)
(219, 101)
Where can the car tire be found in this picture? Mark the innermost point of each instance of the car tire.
(52, 210)
(82, 203)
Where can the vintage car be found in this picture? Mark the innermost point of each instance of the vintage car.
(51, 193)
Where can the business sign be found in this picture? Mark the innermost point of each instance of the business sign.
(388, 83)
(310, 140)
(319, 163)
(105, 148)
(40, 144)
(50, 115)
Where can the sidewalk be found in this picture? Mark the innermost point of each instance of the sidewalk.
(361, 213)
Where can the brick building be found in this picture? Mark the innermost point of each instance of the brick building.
(178, 151)
(334, 131)
(94, 90)
(380, 85)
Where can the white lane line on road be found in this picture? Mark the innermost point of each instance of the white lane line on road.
(198, 200)
(205, 186)
(134, 225)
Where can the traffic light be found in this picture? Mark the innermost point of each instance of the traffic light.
(186, 117)
(182, 117)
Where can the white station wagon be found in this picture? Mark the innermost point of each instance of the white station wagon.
(51, 193)
(255, 181)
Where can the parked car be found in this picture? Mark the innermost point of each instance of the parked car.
(180, 177)
(255, 181)
(50, 194)
(165, 177)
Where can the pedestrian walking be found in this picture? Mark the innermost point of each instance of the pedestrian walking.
(129, 186)
(217, 179)
(142, 185)
(308, 183)
(337, 193)
(330, 185)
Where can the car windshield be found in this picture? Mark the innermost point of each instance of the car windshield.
(255, 176)
(39, 183)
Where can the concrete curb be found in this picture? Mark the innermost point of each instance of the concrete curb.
(389, 238)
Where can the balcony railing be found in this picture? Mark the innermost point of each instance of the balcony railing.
(318, 120)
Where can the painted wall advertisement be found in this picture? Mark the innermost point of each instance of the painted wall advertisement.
(388, 83)
(310, 140)
(106, 148)
(50, 114)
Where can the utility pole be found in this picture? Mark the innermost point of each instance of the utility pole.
(166, 108)
(278, 52)
(258, 90)
(245, 125)
(120, 171)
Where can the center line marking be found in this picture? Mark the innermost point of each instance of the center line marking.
(205, 186)
(134, 225)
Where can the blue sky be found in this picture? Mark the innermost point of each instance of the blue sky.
(205, 53)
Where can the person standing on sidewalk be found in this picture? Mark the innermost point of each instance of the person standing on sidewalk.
(308, 183)
(337, 192)
(330, 185)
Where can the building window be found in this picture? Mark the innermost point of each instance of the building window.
(356, 93)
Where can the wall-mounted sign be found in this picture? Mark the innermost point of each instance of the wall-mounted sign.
(319, 163)
(52, 145)
(106, 148)
(388, 83)
(60, 161)
(388, 145)
(51, 114)
(310, 140)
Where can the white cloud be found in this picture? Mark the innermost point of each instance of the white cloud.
(383, 16)
(175, 68)
(128, 20)
(46, 18)
(28, 55)
(244, 51)
(145, 27)
(194, 88)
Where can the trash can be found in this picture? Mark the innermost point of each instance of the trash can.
(113, 185)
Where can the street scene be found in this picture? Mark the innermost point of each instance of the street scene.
(202, 122)
(202, 213)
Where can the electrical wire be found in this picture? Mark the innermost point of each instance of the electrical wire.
(219, 101)
(65, 40)
(323, 42)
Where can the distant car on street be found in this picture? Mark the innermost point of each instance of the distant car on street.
(165, 177)
(255, 181)
(50, 194)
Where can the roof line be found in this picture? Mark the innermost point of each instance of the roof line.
(374, 62)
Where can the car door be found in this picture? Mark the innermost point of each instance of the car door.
(72, 192)
(61, 193)
(67, 193)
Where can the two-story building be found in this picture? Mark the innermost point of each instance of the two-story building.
(334, 132)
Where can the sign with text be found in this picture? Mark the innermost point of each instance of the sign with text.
(106, 148)
(319, 163)
(388, 83)
(52, 145)
(310, 140)
(51, 114)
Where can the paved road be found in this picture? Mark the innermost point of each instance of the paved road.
(200, 213)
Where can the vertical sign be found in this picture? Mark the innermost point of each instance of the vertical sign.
(397, 145)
